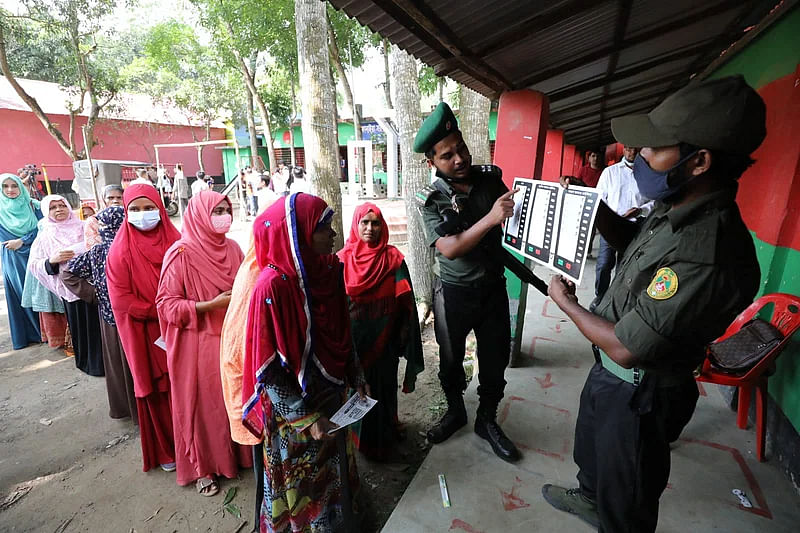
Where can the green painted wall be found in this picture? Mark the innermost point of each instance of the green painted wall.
(229, 160)
(773, 55)
(346, 133)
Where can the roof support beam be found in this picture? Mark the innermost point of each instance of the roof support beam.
(626, 44)
(419, 19)
(661, 83)
(623, 16)
(649, 100)
(634, 70)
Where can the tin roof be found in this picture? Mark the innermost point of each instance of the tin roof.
(595, 59)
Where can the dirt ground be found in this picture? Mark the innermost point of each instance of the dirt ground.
(65, 466)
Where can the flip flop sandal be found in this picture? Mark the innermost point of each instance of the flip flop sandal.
(206, 487)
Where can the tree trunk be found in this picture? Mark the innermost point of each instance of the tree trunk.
(440, 83)
(387, 86)
(293, 117)
(349, 96)
(249, 80)
(415, 172)
(474, 117)
(32, 103)
(255, 161)
(318, 99)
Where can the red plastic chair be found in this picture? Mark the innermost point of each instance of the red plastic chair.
(785, 317)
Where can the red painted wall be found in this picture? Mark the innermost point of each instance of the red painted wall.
(24, 140)
(553, 152)
(769, 192)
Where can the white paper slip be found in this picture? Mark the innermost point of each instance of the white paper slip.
(161, 343)
(353, 410)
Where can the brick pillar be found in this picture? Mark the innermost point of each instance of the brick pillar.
(522, 118)
(553, 153)
(577, 161)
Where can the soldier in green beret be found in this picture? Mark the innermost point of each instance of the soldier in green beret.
(463, 211)
(686, 272)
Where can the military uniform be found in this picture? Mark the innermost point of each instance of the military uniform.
(682, 280)
(470, 291)
(688, 271)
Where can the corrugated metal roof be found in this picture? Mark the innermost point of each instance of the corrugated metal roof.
(594, 59)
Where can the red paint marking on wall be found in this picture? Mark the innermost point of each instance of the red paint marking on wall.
(701, 389)
(546, 453)
(557, 328)
(457, 523)
(755, 488)
(533, 345)
(511, 500)
(669, 485)
(547, 382)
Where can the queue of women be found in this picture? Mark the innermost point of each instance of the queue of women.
(225, 360)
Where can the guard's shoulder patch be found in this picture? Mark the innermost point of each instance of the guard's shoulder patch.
(423, 195)
(664, 284)
(489, 171)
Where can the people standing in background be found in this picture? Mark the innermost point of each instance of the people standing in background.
(18, 229)
(618, 189)
(112, 195)
(91, 266)
(280, 179)
(298, 182)
(266, 196)
(299, 358)
(193, 295)
(181, 187)
(199, 184)
(589, 173)
(133, 266)
(253, 180)
(59, 240)
(383, 318)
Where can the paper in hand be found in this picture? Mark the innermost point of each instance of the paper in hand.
(352, 411)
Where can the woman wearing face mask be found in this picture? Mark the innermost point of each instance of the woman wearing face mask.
(383, 316)
(133, 266)
(18, 219)
(60, 239)
(90, 269)
(193, 295)
(299, 358)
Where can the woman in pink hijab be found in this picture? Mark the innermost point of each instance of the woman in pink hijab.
(193, 295)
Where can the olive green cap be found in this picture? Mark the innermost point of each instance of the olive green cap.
(723, 114)
(439, 124)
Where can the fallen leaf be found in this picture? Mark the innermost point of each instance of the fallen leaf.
(232, 509)
(229, 496)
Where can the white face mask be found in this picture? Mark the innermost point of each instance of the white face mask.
(144, 220)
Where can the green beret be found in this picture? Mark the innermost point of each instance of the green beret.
(439, 124)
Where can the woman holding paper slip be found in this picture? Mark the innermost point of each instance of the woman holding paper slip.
(193, 295)
(133, 266)
(60, 239)
(298, 361)
(383, 317)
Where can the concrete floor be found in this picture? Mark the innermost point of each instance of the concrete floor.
(538, 413)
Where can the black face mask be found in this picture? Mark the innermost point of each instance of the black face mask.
(659, 185)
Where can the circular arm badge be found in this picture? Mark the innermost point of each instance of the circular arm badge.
(664, 284)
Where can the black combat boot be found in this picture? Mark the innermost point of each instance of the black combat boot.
(454, 419)
(487, 428)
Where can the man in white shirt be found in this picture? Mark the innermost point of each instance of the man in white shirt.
(618, 190)
(199, 184)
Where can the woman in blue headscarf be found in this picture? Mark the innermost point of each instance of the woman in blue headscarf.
(18, 218)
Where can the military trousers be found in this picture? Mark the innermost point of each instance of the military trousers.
(622, 439)
(482, 308)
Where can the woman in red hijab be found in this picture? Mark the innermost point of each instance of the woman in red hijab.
(298, 360)
(383, 317)
(132, 270)
(193, 295)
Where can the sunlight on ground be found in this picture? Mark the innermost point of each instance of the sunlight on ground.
(39, 365)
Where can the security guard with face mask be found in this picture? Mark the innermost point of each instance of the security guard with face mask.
(463, 211)
(686, 272)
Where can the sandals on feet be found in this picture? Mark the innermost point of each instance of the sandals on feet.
(206, 486)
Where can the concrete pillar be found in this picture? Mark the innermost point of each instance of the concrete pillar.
(577, 161)
(613, 153)
(568, 159)
(522, 118)
(553, 153)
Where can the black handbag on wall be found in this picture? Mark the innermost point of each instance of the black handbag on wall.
(742, 350)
